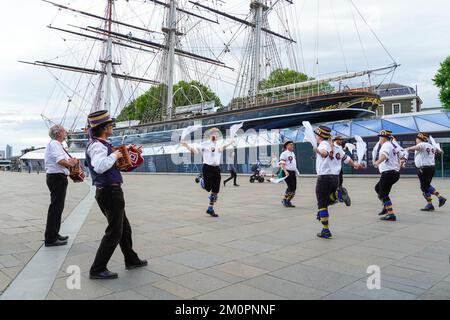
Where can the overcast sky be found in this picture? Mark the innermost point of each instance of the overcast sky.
(416, 32)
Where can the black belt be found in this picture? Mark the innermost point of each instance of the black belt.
(390, 171)
(426, 167)
(57, 174)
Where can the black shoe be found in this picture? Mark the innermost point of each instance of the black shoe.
(442, 201)
(389, 218)
(382, 212)
(224, 183)
(324, 234)
(105, 275)
(141, 263)
(428, 208)
(56, 243)
(212, 213)
(236, 185)
(345, 197)
(62, 238)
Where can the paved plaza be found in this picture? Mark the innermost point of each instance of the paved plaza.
(256, 249)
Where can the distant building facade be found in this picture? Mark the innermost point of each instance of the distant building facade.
(2, 154)
(397, 99)
(9, 151)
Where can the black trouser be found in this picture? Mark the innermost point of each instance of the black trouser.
(112, 204)
(291, 181)
(233, 176)
(211, 177)
(341, 178)
(384, 186)
(426, 175)
(57, 184)
(326, 185)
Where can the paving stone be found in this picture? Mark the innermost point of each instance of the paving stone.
(167, 268)
(123, 295)
(240, 269)
(239, 292)
(315, 277)
(9, 261)
(285, 288)
(254, 249)
(90, 289)
(200, 282)
(228, 277)
(441, 289)
(176, 289)
(132, 279)
(385, 293)
(196, 259)
(153, 293)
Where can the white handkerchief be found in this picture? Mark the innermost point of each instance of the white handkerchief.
(435, 144)
(234, 129)
(361, 148)
(310, 136)
(276, 181)
(350, 147)
(188, 130)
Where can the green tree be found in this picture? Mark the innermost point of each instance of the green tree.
(150, 105)
(442, 81)
(282, 77)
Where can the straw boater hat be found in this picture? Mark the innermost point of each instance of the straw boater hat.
(323, 132)
(285, 144)
(385, 134)
(338, 138)
(422, 136)
(98, 118)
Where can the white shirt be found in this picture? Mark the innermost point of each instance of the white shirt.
(332, 163)
(100, 161)
(393, 158)
(425, 156)
(53, 154)
(212, 153)
(288, 158)
(339, 156)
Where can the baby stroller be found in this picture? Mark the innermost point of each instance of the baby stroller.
(258, 173)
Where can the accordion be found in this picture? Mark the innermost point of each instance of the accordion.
(132, 158)
(76, 173)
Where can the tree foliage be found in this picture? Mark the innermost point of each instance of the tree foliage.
(442, 81)
(151, 104)
(282, 77)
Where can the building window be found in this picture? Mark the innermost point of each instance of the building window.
(380, 110)
(396, 108)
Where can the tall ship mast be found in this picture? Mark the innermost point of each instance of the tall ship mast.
(137, 51)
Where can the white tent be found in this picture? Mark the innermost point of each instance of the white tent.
(39, 155)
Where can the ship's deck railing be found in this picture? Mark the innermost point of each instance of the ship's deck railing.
(305, 93)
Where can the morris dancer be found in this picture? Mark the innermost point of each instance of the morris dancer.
(424, 159)
(387, 160)
(342, 192)
(328, 166)
(101, 159)
(212, 156)
(288, 164)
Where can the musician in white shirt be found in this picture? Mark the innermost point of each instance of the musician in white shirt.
(212, 152)
(424, 159)
(57, 165)
(328, 166)
(387, 160)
